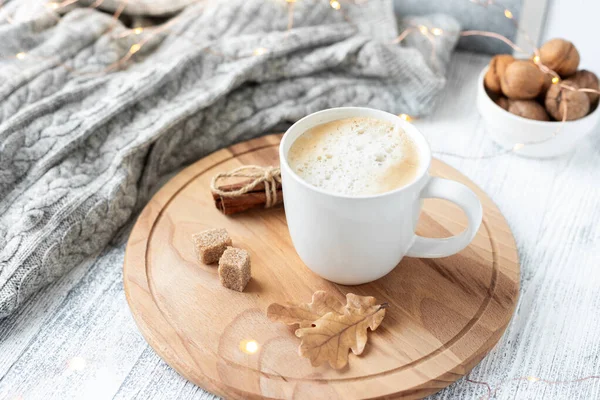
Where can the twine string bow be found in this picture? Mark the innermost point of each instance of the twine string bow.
(270, 176)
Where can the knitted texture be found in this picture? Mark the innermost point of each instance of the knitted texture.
(81, 149)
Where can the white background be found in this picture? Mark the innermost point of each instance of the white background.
(577, 21)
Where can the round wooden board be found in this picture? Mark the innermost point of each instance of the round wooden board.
(444, 316)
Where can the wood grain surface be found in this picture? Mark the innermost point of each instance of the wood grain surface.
(444, 316)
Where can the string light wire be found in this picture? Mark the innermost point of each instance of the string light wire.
(430, 33)
(535, 58)
(5, 14)
(290, 23)
(491, 392)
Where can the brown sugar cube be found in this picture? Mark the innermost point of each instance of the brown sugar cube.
(211, 244)
(234, 269)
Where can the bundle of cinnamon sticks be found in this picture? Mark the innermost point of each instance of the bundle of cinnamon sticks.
(255, 198)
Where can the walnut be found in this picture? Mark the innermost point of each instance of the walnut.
(528, 109)
(558, 99)
(545, 87)
(495, 72)
(502, 102)
(588, 80)
(522, 80)
(560, 56)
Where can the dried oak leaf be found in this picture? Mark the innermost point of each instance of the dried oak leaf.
(334, 334)
(305, 314)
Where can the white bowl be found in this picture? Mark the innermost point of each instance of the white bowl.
(508, 130)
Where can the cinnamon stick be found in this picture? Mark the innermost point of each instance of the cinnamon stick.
(256, 198)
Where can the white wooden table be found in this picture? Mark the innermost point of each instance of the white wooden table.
(77, 339)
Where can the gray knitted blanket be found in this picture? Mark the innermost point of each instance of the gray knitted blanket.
(82, 148)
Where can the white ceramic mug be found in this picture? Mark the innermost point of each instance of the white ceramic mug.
(352, 240)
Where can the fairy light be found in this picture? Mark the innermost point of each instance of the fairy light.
(135, 48)
(252, 346)
(336, 5)
(249, 346)
(259, 51)
(536, 59)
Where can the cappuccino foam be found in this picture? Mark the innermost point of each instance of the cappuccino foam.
(355, 156)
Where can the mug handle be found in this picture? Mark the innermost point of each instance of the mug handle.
(463, 197)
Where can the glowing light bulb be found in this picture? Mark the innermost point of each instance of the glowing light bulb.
(508, 14)
(138, 30)
(518, 146)
(290, 1)
(437, 31)
(76, 364)
(260, 51)
(249, 346)
(20, 56)
(536, 59)
(532, 379)
(405, 117)
(423, 29)
(555, 80)
(135, 48)
(335, 4)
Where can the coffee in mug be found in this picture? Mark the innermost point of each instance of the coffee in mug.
(352, 213)
(355, 156)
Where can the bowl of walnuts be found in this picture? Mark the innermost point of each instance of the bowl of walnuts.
(534, 112)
